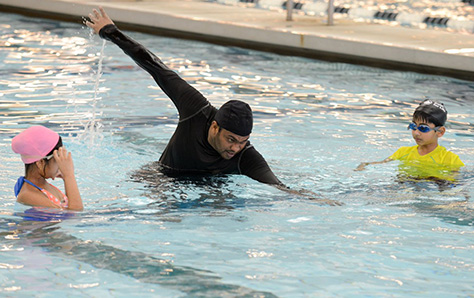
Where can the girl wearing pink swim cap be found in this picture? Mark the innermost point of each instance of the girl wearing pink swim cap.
(42, 151)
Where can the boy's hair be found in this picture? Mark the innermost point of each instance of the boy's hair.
(431, 112)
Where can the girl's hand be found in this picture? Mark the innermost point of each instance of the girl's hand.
(98, 20)
(66, 169)
(65, 163)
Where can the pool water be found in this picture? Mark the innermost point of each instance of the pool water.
(145, 235)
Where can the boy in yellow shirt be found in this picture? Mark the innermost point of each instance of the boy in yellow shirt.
(427, 159)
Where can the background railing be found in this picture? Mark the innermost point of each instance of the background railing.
(455, 15)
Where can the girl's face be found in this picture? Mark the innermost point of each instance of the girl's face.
(51, 170)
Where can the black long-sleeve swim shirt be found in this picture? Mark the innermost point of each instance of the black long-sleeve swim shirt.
(188, 151)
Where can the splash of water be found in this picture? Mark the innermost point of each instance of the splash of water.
(93, 128)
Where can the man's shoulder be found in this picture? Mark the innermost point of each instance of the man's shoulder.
(249, 154)
(203, 113)
(248, 150)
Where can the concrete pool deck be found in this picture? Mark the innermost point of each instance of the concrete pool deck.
(422, 50)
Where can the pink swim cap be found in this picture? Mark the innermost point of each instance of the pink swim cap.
(34, 143)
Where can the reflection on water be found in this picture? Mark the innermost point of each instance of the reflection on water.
(42, 74)
(52, 78)
(142, 267)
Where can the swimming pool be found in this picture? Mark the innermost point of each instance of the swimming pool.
(145, 235)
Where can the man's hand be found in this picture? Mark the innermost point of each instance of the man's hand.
(98, 20)
(310, 195)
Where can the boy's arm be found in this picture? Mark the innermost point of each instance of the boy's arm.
(362, 166)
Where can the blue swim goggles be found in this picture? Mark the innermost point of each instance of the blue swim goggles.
(423, 128)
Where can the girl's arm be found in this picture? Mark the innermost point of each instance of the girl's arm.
(66, 166)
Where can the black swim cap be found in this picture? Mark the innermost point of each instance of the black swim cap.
(236, 117)
(435, 111)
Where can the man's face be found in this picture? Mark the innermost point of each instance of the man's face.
(226, 143)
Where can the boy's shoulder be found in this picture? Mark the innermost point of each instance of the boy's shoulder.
(403, 152)
(440, 156)
(447, 157)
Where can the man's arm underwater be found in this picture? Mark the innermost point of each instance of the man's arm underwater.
(253, 165)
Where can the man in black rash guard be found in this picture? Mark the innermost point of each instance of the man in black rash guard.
(207, 140)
